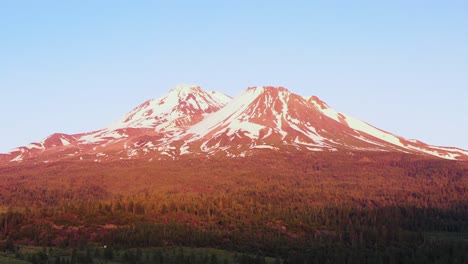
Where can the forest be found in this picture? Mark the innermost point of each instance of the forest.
(273, 207)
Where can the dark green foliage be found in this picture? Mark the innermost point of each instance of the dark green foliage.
(108, 253)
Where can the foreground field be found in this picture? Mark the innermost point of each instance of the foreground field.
(96, 254)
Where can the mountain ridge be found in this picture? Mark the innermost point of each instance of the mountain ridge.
(192, 121)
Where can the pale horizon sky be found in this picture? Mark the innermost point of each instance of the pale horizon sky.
(77, 66)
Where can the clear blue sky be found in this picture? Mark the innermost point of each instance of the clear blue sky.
(76, 66)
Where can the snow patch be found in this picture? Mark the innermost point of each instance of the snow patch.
(220, 97)
(149, 145)
(65, 142)
(451, 156)
(331, 113)
(184, 150)
(15, 150)
(34, 146)
(17, 158)
(314, 149)
(370, 130)
(231, 114)
(91, 138)
(263, 147)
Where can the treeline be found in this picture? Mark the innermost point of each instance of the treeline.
(356, 232)
(428, 252)
(177, 255)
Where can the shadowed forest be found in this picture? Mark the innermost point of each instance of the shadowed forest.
(336, 207)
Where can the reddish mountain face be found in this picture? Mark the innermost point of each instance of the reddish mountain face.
(191, 121)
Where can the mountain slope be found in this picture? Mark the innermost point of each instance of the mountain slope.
(191, 121)
(269, 117)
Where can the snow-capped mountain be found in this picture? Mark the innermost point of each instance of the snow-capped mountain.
(181, 107)
(142, 130)
(191, 121)
(269, 117)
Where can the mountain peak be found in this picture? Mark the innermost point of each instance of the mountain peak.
(268, 88)
(182, 106)
(182, 92)
(185, 88)
(318, 103)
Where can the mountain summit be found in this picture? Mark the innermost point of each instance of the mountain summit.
(183, 106)
(192, 121)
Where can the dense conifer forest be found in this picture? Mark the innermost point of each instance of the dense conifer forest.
(352, 207)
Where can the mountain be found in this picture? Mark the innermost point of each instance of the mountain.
(191, 121)
(183, 106)
(141, 130)
(269, 117)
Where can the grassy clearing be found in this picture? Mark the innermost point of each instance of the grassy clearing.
(146, 255)
(11, 260)
(450, 236)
